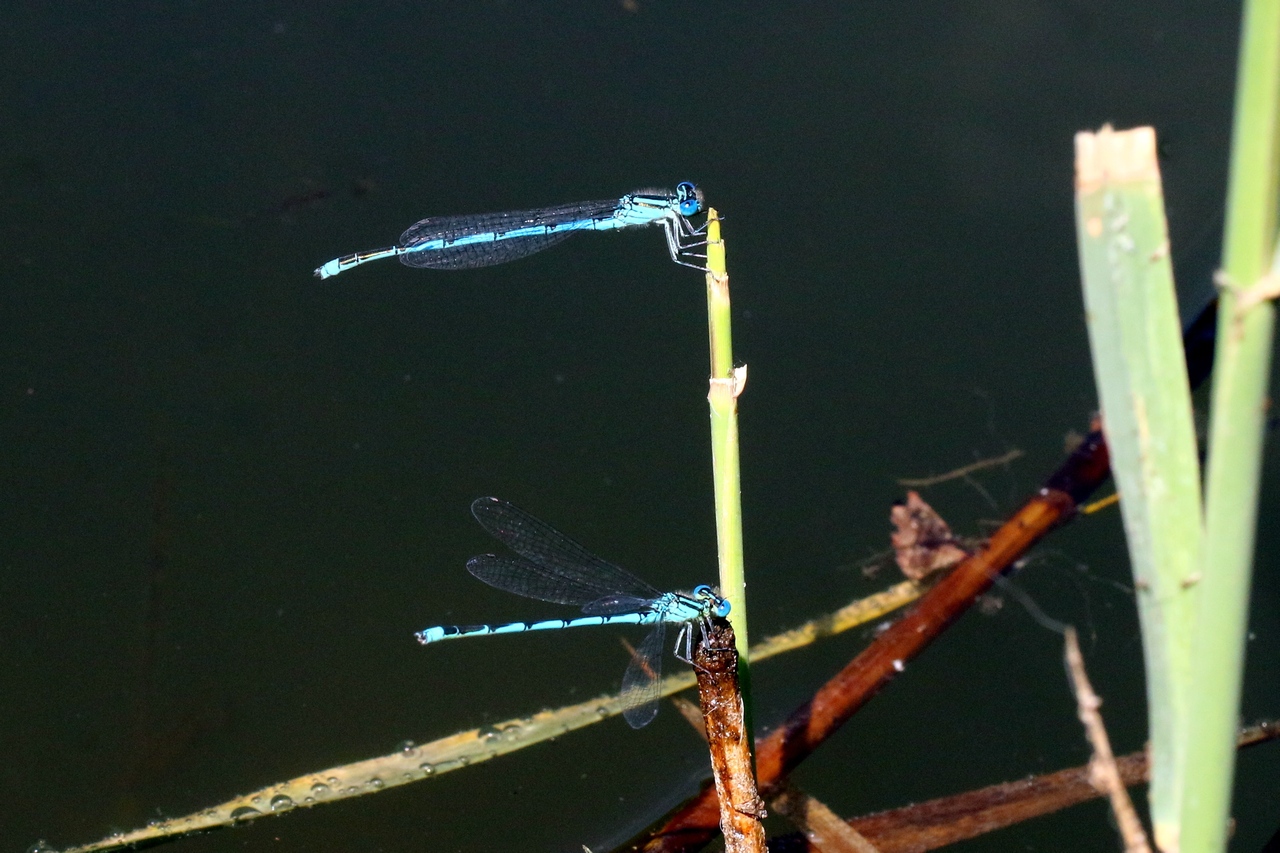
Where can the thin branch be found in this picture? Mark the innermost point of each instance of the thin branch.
(822, 828)
(1103, 773)
(937, 823)
(962, 471)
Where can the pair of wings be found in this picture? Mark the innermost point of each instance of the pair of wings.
(491, 252)
(552, 567)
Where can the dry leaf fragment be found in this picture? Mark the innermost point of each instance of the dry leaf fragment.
(923, 542)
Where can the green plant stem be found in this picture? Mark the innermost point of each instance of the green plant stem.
(1237, 424)
(726, 384)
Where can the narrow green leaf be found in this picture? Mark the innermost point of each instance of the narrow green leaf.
(1145, 397)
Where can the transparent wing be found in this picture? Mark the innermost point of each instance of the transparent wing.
(558, 558)
(640, 681)
(533, 581)
(612, 604)
(469, 256)
(496, 251)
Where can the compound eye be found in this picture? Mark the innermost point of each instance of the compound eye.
(689, 201)
(701, 590)
(722, 609)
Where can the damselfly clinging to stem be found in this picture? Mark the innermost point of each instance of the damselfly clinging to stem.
(552, 567)
(482, 240)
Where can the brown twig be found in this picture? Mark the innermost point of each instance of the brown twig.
(1103, 773)
(937, 823)
(962, 471)
(822, 828)
(715, 661)
(947, 820)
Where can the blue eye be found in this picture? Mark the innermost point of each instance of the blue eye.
(690, 200)
(722, 605)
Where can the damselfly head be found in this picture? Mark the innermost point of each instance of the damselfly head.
(689, 198)
(720, 606)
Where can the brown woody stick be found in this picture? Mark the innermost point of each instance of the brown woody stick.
(715, 661)
(947, 820)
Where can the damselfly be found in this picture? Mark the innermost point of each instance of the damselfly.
(552, 567)
(482, 240)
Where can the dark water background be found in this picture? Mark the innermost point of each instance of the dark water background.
(229, 493)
